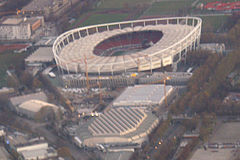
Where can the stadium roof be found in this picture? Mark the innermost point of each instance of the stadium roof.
(76, 50)
(42, 54)
(141, 95)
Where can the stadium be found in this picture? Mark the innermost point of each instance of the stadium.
(138, 45)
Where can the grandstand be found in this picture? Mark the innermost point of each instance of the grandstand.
(131, 45)
(220, 6)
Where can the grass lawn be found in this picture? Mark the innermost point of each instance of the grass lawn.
(8, 59)
(103, 18)
(213, 23)
(167, 7)
(121, 3)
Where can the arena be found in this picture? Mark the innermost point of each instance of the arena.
(138, 45)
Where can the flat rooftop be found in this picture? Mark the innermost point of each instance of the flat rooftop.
(110, 125)
(42, 54)
(213, 154)
(20, 99)
(227, 133)
(142, 95)
(36, 105)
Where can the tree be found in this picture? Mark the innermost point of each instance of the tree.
(27, 79)
(3, 100)
(65, 152)
(13, 82)
(45, 113)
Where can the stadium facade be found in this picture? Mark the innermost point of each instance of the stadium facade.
(137, 45)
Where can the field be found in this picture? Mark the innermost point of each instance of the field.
(103, 4)
(168, 7)
(104, 18)
(213, 23)
(9, 60)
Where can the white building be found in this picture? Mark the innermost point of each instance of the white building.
(37, 59)
(15, 28)
(118, 126)
(2, 131)
(143, 95)
(31, 107)
(16, 101)
(213, 47)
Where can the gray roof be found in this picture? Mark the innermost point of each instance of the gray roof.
(142, 95)
(42, 54)
(34, 96)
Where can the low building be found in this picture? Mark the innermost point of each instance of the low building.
(32, 107)
(31, 148)
(16, 101)
(41, 55)
(19, 28)
(117, 127)
(143, 96)
(218, 154)
(213, 47)
(36, 61)
(232, 97)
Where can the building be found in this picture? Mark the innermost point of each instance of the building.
(45, 42)
(19, 28)
(117, 127)
(16, 101)
(219, 154)
(41, 55)
(2, 131)
(36, 61)
(143, 96)
(30, 148)
(32, 107)
(213, 47)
